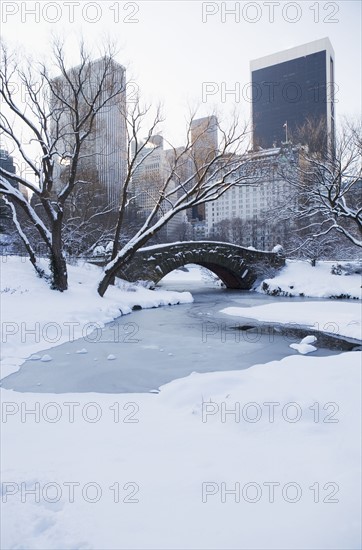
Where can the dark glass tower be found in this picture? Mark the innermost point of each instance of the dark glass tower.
(7, 163)
(291, 88)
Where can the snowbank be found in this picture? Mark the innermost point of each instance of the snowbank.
(153, 470)
(299, 278)
(342, 318)
(35, 318)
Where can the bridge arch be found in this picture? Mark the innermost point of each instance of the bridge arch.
(236, 266)
(228, 277)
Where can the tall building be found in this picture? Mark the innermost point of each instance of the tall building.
(204, 140)
(149, 179)
(290, 88)
(7, 163)
(103, 156)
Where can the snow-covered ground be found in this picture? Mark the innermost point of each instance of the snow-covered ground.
(35, 318)
(153, 471)
(267, 457)
(300, 278)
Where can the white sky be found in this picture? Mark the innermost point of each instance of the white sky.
(170, 51)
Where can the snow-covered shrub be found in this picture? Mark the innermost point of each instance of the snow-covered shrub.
(99, 251)
(347, 269)
(276, 291)
(278, 249)
(336, 269)
(353, 268)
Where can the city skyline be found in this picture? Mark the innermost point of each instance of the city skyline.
(178, 67)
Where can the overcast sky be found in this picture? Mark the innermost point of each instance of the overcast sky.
(171, 48)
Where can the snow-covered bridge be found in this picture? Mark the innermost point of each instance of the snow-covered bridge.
(236, 266)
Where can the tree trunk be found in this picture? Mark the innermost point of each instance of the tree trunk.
(58, 264)
(116, 246)
(110, 274)
(105, 282)
(40, 272)
(126, 257)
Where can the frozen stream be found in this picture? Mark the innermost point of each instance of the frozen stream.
(154, 346)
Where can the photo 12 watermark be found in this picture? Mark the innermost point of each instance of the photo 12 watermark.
(270, 492)
(26, 93)
(69, 412)
(53, 332)
(270, 12)
(70, 492)
(269, 411)
(255, 332)
(269, 92)
(70, 12)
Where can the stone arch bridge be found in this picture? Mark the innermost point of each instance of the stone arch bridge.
(237, 267)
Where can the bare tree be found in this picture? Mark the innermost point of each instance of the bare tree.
(137, 152)
(88, 219)
(206, 181)
(320, 248)
(325, 194)
(51, 128)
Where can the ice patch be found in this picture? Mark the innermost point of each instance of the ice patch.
(309, 340)
(304, 349)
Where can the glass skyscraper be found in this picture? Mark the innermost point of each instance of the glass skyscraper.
(290, 88)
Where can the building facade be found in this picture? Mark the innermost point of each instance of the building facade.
(204, 140)
(104, 152)
(149, 179)
(244, 213)
(291, 87)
